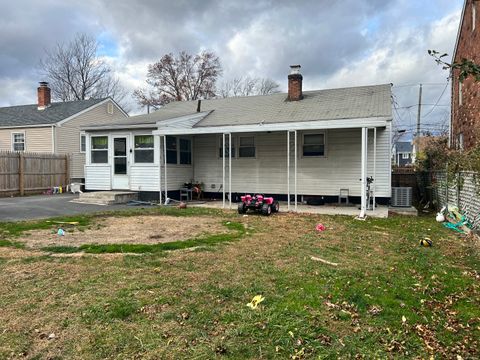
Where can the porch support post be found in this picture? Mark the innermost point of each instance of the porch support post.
(160, 169)
(223, 170)
(229, 170)
(295, 186)
(374, 165)
(363, 195)
(165, 167)
(288, 170)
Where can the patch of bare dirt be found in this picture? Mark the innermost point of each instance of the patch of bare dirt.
(128, 230)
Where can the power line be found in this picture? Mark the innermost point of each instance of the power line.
(438, 100)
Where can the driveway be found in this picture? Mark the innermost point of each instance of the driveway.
(45, 206)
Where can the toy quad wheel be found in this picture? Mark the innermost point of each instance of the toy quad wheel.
(266, 209)
(275, 207)
(242, 208)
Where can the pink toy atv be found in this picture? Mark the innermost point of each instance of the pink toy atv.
(259, 203)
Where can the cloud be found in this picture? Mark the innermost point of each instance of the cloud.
(341, 43)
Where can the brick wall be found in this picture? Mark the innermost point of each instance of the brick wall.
(466, 116)
(466, 197)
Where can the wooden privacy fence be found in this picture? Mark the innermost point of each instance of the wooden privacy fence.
(29, 173)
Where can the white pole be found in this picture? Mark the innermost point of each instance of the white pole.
(223, 170)
(295, 152)
(160, 169)
(229, 170)
(165, 169)
(363, 188)
(288, 170)
(374, 165)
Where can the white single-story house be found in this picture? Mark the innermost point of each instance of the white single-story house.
(295, 146)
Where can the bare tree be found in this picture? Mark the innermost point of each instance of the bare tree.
(76, 72)
(180, 77)
(247, 86)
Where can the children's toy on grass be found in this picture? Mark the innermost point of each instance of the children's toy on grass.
(258, 203)
(426, 242)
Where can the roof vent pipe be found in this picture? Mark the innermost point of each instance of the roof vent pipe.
(199, 104)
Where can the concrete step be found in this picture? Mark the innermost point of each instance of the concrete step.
(106, 197)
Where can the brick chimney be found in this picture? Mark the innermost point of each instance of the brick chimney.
(295, 83)
(44, 98)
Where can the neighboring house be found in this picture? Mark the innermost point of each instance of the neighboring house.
(403, 153)
(48, 127)
(311, 143)
(465, 118)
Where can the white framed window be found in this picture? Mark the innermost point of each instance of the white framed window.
(143, 149)
(246, 147)
(110, 108)
(313, 145)
(18, 141)
(220, 152)
(185, 148)
(405, 156)
(99, 149)
(83, 142)
(460, 93)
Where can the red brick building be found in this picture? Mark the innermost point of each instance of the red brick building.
(465, 120)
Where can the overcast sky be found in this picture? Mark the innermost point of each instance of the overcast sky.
(338, 43)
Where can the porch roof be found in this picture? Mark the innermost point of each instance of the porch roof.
(180, 128)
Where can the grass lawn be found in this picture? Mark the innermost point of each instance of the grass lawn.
(387, 298)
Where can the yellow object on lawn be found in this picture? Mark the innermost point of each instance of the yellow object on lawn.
(257, 299)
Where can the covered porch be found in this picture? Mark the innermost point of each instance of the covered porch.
(293, 161)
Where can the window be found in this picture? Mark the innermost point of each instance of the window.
(110, 108)
(18, 141)
(171, 142)
(220, 152)
(313, 145)
(405, 155)
(246, 146)
(83, 143)
(460, 94)
(185, 151)
(143, 152)
(99, 149)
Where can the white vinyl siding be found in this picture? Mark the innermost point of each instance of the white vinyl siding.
(98, 177)
(266, 173)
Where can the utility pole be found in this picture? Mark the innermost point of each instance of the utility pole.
(419, 115)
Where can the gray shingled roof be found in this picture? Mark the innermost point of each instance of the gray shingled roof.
(25, 115)
(332, 104)
(404, 147)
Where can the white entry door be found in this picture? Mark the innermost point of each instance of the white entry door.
(120, 163)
